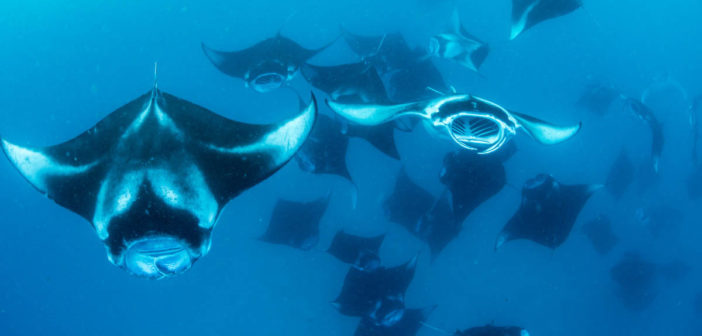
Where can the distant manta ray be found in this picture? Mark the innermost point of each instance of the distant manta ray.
(472, 122)
(153, 176)
(459, 45)
(265, 66)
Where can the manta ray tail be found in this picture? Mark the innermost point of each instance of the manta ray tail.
(371, 114)
(544, 132)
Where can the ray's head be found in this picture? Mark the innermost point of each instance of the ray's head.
(269, 75)
(155, 240)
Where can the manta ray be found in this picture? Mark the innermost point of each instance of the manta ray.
(547, 212)
(153, 176)
(598, 97)
(378, 292)
(296, 224)
(265, 66)
(473, 123)
(459, 45)
(361, 252)
(528, 13)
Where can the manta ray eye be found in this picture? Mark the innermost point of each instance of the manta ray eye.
(267, 82)
(476, 133)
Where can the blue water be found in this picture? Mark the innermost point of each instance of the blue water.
(65, 65)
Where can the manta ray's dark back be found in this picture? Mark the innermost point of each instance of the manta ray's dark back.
(324, 152)
(296, 224)
(361, 252)
(349, 83)
(472, 180)
(547, 212)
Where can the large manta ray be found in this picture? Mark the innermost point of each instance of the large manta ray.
(491, 330)
(264, 66)
(528, 13)
(153, 176)
(459, 45)
(547, 213)
(472, 122)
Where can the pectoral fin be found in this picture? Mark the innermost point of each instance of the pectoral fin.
(544, 132)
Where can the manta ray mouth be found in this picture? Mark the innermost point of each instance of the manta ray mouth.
(158, 257)
(267, 82)
(478, 133)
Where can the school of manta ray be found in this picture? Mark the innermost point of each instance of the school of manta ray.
(153, 176)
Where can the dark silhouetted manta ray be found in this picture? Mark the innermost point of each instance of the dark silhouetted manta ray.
(153, 176)
(375, 292)
(547, 213)
(296, 224)
(265, 66)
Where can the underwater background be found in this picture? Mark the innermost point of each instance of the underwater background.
(65, 65)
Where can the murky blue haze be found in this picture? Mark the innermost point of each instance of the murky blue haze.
(65, 64)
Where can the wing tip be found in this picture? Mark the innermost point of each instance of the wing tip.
(213, 55)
